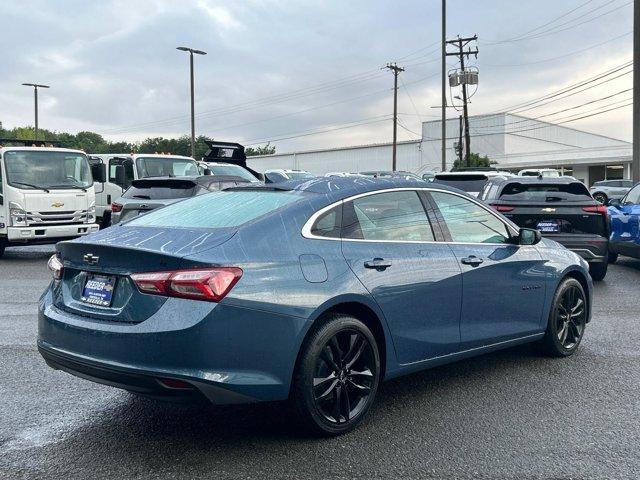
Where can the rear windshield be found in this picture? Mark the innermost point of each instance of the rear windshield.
(149, 190)
(467, 183)
(540, 192)
(217, 209)
(234, 170)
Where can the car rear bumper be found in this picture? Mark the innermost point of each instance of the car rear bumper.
(228, 354)
(593, 248)
(36, 234)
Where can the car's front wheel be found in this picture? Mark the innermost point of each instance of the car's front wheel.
(337, 376)
(567, 319)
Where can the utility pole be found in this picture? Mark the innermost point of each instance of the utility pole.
(460, 140)
(461, 54)
(396, 71)
(635, 161)
(35, 102)
(444, 86)
(193, 121)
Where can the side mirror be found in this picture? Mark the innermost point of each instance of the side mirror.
(613, 202)
(120, 175)
(207, 171)
(99, 172)
(529, 236)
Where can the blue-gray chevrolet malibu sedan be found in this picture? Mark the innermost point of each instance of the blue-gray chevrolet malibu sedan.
(312, 291)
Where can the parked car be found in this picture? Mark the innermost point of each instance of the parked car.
(314, 292)
(540, 172)
(284, 175)
(391, 174)
(151, 193)
(230, 169)
(471, 182)
(625, 225)
(606, 190)
(561, 208)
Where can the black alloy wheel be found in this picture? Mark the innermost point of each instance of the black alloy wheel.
(600, 197)
(344, 376)
(567, 319)
(337, 377)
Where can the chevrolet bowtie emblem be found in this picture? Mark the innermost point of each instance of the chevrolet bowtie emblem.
(57, 204)
(91, 259)
(548, 209)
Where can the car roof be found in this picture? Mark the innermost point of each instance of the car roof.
(534, 180)
(336, 188)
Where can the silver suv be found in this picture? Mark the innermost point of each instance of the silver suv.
(610, 189)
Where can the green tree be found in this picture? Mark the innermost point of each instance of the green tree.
(261, 150)
(475, 160)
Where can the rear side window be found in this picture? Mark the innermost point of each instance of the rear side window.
(169, 190)
(467, 222)
(466, 183)
(545, 192)
(393, 216)
(328, 224)
(217, 209)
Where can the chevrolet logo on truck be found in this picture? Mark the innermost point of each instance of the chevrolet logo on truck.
(57, 204)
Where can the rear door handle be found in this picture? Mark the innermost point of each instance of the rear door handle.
(377, 263)
(472, 260)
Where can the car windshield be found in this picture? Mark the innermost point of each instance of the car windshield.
(299, 175)
(37, 169)
(234, 170)
(633, 196)
(154, 190)
(467, 183)
(537, 192)
(166, 167)
(231, 209)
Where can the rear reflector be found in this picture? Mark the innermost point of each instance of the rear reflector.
(211, 284)
(175, 383)
(501, 208)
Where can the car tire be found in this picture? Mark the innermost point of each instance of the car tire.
(567, 319)
(613, 257)
(336, 377)
(598, 270)
(601, 197)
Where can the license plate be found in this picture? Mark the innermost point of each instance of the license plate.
(98, 290)
(549, 227)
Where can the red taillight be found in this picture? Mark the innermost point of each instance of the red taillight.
(601, 209)
(211, 284)
(116, 207)
(55, 267)
(501, 208)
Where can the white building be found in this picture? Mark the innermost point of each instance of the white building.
(513, 141)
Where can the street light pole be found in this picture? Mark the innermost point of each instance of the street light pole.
(635, 162)
(35, 102)
(193, 120)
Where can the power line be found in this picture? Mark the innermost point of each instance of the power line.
(520, 106)
(505, 65)
(543, 25)
(306, 133)
(569, 24)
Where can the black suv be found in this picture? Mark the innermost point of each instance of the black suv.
(561, 208)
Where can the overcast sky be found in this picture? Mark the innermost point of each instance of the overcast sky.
(282, 68)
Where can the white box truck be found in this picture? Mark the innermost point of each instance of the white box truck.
(123, 168)
(46, 195)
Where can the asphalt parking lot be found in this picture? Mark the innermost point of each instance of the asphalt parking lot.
(513, 414)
